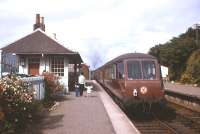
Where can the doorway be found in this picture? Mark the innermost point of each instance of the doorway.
(33, 66)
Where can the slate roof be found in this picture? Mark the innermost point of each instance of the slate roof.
(38, 42)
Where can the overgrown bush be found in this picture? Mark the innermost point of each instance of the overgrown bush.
(193, 69)
(17, 104)
(186, 78)
(52, 86)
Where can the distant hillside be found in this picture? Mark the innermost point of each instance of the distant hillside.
(176, 53)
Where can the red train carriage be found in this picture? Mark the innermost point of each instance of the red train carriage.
(132, 78)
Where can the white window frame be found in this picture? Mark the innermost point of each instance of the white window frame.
(57, 65)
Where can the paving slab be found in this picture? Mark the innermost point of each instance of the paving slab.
(79, 115)
(95, 113)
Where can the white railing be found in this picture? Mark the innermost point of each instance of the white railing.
(37, 83)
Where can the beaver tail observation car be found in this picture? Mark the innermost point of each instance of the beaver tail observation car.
(133, 78)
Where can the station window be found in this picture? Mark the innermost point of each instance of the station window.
(57, 66)
(134, 70)
(120, 70)
(149, 70)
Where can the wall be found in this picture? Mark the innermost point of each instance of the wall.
(8, 63)
(43, 61)
(23, 69)
(187, 101)
(46, 61)
(64, 80)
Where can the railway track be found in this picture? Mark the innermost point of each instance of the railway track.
(176, 121)
(169, 119)
(153, 125)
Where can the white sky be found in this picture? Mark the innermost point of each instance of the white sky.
(100, 29)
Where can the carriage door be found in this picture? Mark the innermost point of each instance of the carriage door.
(33, 66)
(121, 75)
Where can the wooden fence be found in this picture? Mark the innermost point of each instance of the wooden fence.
(37, 83)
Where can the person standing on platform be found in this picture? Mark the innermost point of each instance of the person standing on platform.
(77, 89)
(81, 81)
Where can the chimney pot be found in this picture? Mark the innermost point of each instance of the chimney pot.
(37, 18)
(39, 23)
(42, 20)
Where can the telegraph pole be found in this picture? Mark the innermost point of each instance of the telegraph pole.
(197, 27)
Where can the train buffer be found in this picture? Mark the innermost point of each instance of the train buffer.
(96, 114)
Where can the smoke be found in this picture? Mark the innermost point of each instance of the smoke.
(95, 52)
(96, 59)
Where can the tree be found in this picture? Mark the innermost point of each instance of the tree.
(175, 53)
(192, 72)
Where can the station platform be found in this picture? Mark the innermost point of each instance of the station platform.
(94, 113)
(188, 90)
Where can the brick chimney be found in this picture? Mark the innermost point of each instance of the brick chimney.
(39, 23)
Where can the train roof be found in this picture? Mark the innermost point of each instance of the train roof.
(132, 55)
(129, 56)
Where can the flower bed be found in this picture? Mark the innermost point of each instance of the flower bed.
(17, 104)
(18, 108)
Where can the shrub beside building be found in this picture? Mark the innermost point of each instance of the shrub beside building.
(17, 104)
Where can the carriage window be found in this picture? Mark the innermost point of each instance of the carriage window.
(134, 70)
(149, 70)
(120, 70)
(106, 73)
(109, 72)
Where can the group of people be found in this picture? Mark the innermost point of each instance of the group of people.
(79, 87)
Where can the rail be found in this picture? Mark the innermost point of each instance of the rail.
(172, 130)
